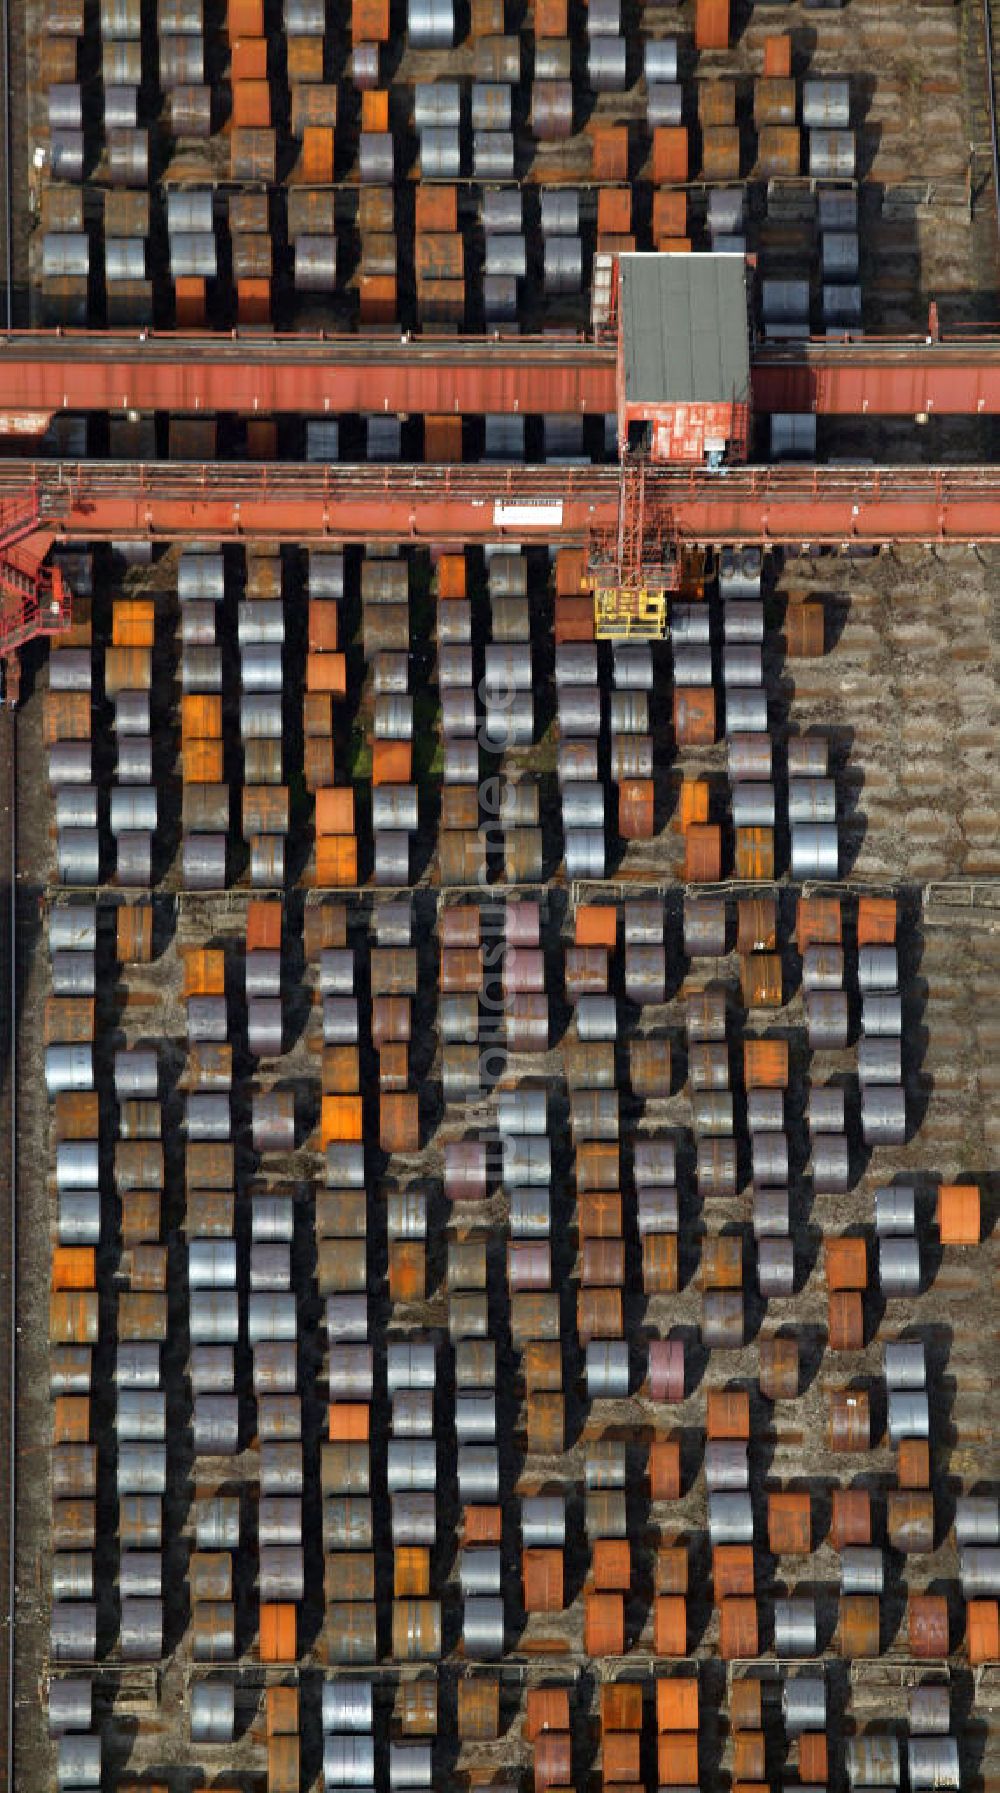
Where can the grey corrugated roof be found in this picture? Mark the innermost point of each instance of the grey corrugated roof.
(683, 320)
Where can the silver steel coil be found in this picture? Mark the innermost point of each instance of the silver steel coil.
(414, 1519)
(77, 1164)
(775, 1268)
(134, 855)
(78, 855)
(340, 1020)
(908, 1414)
(132, 713)
(905, 1363)
(654, 1162)
(212, 1370)
(748, 757)
(895, 1210)
(831, 155)
(742, 664)
(628, 712)
(606, 64)
(413, 1413)
(977, 1519)
(70, 1704)
(203, 861)
(140, 1574)
(730, 1519)
(576, 761)
(862, 1569)
(348, 1705)
(483, 1629)
(873, 1760)
(823, 968)
(72, 1575)
(770, 1214)
(746, 710)
(134, 760)
(826, 1019)
(584, 854)
(543, 1521)
(726, 1465)
(583, 806)
(765, 1111)
(68, 1067)
(693, 666)
(826, 1110)
(704, 926)
(410, 1765)
(212, 1264)
(830, 1163)
(803, 1704)
(742, 620)
(141, 1414)
(79, 1220)
(213, 1711)
(214, 1317)
(217, 1522)
(753, 805)
(348, 1760)
(607, 1371)
(826, 103)
(656, 1210)
(73, 1631)
(933, 1762)
(562, 265)
(882, 1016)
(260, 664)
(579, 710)
(69, 763)
(440, 153)
(808, 756)
(898, 1269)
(880, 1062)
(73, 973)
(274, 1367)
(208, 1116)
(264, 1027)
(664, 104)
(930, 1710)
(812, 800)
(722, 1319)
(478, 1474)
(795, 1626)
(769, 1153)
(141, 1467)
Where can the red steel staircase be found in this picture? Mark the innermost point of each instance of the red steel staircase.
(34, 599)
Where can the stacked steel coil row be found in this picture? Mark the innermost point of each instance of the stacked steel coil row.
(165, 139)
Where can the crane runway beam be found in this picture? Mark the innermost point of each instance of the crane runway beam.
(769, 505)
(46, 372)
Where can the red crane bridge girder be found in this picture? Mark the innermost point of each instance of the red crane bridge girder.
(42, 373)
(45, 372)
(450, 505)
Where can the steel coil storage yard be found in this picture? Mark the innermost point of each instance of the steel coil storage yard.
(500, 1255)
(484, 1126)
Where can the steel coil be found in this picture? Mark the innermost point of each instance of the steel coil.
(831, 155)
(430, 24)
(483, 1629)
(880, 1060)
(607, 1369)
(562, 265)
(70, 1705)
(977, 1519)
(213, 1370)
(826, 1019)
(726, 1465)
(908, 1412)
(933, 1762)
(414, 1520)
(730, 1519)
(584, 854)
(134, 759)
(795, 1627)
(664, 105)
(775, 1268)
(770, 1213)
(746, 710)
(873, 1760)
(69, 763)
(606, 64)
(203, 861)
(883, 1114)
(899, 1275)
(803, 1704)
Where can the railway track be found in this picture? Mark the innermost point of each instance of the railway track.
(8, 1227)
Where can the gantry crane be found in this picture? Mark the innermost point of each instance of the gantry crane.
(674, 361)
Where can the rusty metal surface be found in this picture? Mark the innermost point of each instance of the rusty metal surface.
(42, 372)
(90, 501)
